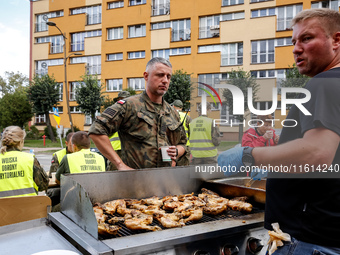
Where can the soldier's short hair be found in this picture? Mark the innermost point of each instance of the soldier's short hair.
(69, 136)
(329, 19)
(81, 139)
(12, 137)
(156, 60)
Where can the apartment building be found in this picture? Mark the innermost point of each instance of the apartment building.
(207, 39)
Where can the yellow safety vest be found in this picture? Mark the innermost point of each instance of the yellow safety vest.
(182, 115)
(60, 154)
(85, 161)
(201, 145)
(115, 141)
(16, 174)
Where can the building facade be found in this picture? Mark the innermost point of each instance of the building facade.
(207, 39)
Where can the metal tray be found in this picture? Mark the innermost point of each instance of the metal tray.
(238, 187)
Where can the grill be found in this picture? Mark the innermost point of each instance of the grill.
(228, 233)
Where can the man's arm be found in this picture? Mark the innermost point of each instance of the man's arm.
(39, 176)
(317, 147)
(103, 144)
(54, 165)
(62, 169)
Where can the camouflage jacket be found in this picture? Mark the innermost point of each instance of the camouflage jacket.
(55, 163)
(143, 128)
(39, 175)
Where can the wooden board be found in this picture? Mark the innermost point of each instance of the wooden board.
(18, 209)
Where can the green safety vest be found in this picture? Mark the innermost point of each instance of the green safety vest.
(182, 115)
(16, 174)
(85, 161)
(115, 141)
(60, 154)
(201, 145)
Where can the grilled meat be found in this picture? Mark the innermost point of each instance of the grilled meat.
(152, 201)
(104, 228)
(237, 204)
(170, 220)
(138, 220)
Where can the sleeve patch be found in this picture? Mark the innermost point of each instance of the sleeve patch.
(121, 102)
(110, 112)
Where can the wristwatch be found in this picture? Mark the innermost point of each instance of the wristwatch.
(247, 158)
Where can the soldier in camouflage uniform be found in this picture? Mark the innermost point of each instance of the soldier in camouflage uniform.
(58, 155)
(54, 193)
(145, 122)
(16, 177)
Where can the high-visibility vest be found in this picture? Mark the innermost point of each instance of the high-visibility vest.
(183, 117)
(201, 145)
(115, 141)
(16, 174)
(85, 161)
(60, 154)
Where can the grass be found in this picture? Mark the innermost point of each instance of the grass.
(39, 143)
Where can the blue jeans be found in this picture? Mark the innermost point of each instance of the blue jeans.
(296, 247)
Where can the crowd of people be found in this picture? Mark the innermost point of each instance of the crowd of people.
(306, 208)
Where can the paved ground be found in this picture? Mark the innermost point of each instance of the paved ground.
(44, 155)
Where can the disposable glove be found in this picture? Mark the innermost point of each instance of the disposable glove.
(230, 161)
(258, 174)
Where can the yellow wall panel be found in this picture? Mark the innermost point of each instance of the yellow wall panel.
(160, 39)
(284, 57)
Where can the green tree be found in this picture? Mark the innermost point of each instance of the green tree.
(180, 88)
(89, 96)
(12, 82)
(243, 80)
(43, 93)
(293, 80)
(15, 109)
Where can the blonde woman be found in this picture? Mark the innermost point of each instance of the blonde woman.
(20, 172)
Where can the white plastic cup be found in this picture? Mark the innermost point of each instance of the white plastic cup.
(165, 155)
(270, 133)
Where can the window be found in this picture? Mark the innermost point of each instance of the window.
(268, 73)
(115, 33)
(262, 51)
(285, 15)
(42, 65)
(136, 2)
(136, 54)
(136, 83)
(232, 2)
(180, 30)
(210, 79)
(114, 5)
(40, 119)
(257, 1)
(41, 20)
(284, 41)
(227, 116)
(60, 109)
(263, 12)
(209, 26)
(161, 25)
(232, 54)
(93, 13)
(331, 4)
(93, 63)
(78, 39)
(209, 48)
(75, 109)
(60, 84)
(73, 87)
(161, 53)
(264, 105)
(232, 16)
(160, 7)
(137, 31)
(88, 119)
(114, 85)
(56, 42)
(114, 56)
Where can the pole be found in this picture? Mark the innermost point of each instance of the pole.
(65, 86)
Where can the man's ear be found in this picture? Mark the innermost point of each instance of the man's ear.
(336, 41)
